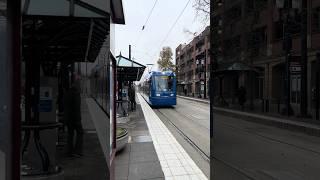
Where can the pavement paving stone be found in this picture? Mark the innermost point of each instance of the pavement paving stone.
(121, 171)
(146, 170)
(138, 160)
(143, 156)
(147, 146)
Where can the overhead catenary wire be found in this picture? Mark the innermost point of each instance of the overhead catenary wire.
(171, 28)
(147, 20)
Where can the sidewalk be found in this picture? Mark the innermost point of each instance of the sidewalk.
(290, 123)
(138, 160)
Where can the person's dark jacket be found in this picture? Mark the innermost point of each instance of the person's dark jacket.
(132, 94)
(242, 96)
(72, 111)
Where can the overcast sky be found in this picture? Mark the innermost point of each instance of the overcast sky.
(146, 43)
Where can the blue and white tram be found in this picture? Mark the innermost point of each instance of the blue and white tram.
(159, 88)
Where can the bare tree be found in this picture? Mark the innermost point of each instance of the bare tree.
(202, 8)
(165, 59)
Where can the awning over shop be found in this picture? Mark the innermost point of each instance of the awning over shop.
(234, 66)
(129, 70)
(184, 82)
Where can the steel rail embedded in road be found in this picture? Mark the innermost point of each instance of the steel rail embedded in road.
(270, 138)
(201, 152)
(193, 144)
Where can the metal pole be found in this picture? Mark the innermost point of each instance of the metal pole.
(304, 60)
(130, 55)
(213, 33)
(288, 42)
(86, 82)
(205, 76)
(14, 60)
(317, 93)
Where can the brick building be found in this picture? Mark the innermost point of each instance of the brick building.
(193, 62)
(251, 34)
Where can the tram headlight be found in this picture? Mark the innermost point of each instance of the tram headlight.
(157, 94)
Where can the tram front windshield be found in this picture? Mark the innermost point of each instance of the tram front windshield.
(164, 83)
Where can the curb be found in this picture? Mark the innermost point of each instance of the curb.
(310, 129)
(194, 99)
(302, 127)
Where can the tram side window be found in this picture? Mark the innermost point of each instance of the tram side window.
(170, 83)
(148, 87)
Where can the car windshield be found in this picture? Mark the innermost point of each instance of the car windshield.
(163, 83)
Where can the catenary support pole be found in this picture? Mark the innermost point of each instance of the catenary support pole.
(304, 60)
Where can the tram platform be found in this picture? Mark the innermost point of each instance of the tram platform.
(138, 159)
(151, 153)
(174, 160)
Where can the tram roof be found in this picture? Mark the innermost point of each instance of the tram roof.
(166, 73)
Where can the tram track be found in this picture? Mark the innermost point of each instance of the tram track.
(190, 141)
(270, 138)
(255, 130)
(200, 151)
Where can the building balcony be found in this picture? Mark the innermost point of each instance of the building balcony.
(200, 69)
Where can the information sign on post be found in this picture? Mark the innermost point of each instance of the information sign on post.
(45, 103)
(295, 64)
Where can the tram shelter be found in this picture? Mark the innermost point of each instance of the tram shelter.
(128, 71)
(55, 35)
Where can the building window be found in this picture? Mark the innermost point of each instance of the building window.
(259, 87)
(278, 30)
(295, 88)
(316, 19)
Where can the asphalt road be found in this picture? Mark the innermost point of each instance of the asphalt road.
(243, 150)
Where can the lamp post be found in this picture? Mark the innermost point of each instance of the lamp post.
(304, 60)
(317, 95)
(205, 75)
(286, 5)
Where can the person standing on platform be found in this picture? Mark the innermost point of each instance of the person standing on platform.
(73, 119)
(132, 97)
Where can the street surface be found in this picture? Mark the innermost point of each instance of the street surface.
(242, 150)
(189, 123)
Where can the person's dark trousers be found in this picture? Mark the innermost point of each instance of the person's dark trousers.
(133, 105)
(77, 147)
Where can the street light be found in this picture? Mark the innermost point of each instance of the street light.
(149, 67)
(286, 5)
(289, 7)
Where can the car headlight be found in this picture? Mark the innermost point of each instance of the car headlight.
(157, 94)
(171, 94)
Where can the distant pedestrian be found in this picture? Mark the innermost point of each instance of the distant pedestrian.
(132, 97)
(73, 119)
(185, 92)
(242, 97)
